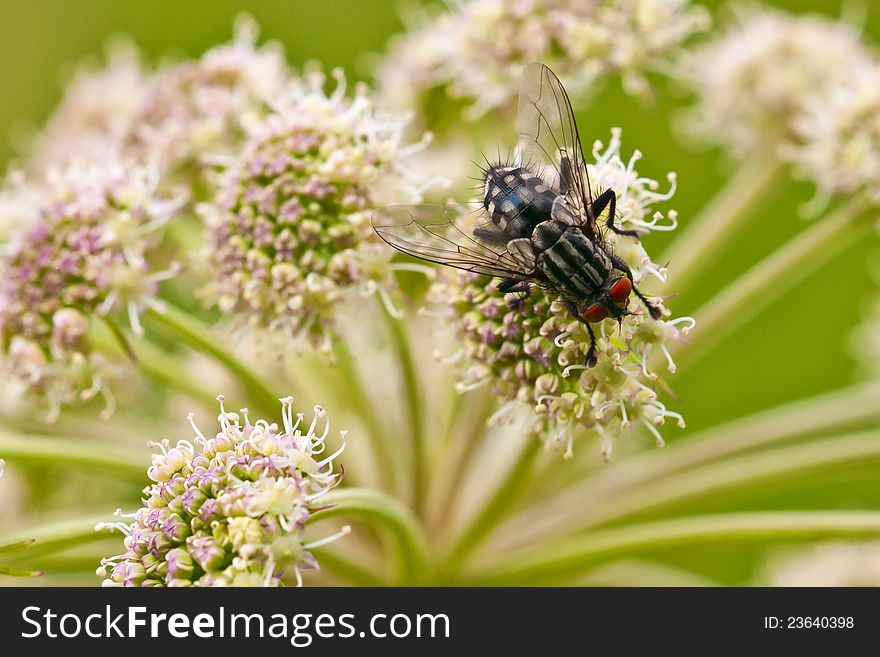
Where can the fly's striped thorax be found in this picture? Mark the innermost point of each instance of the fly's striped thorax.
(577, 267)
(516, 200)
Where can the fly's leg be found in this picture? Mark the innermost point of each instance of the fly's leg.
(591, 352)
(521, 288)
(622, 266)
(608, 199)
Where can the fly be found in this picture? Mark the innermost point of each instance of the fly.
(538, 224)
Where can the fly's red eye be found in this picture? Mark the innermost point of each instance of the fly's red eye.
(595, 313)
(620, 290)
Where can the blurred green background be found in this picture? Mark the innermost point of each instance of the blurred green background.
(800, 346)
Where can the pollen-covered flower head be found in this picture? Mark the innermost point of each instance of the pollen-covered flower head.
(96, 112)
(230, 510)
(757, 79)
(533, 351)
(838, 140)
(288, 231)
(198, 106)
(85, 254)
(478, 49)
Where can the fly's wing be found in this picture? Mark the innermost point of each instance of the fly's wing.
(448, 236)
(548, 138)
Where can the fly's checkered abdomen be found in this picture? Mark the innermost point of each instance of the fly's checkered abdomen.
(516, 200)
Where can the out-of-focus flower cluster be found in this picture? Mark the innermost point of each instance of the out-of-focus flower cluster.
(288, 230)
(299, 170)
(83, 255)
(838, 143)
(19, 208)
(96, 113)
(199, 107)
(230, 510)
(760, 82)
(533, 351)
(177, 114)
(478, 49)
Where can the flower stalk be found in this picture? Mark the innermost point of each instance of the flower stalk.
(731, 477)
(76, 452)
(389, 513)
(729, 211)
(53, 537)
(850, 408)
(414, 403)
(505, 496)
(347, 569)
(154, 362)
(569, 557)
(774, 276)
(467, 431)
(182, 326)
(12, 571)
(354, 394)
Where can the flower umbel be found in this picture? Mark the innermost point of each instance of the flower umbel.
(230, 510)
(755, 81)
(96, 113)
(838, 140)
(534, 351)
(288, 230)
(199, 106)
(477, 51)
(85, 254)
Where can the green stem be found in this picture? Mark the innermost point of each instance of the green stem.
(353, 573)
(835, 411)
(12, 571)
(773, 277)
(633, 572)
(752, 472)
(129, 463)
(505, 497)
(121, 339)
(466, 437)
(414, 403)
(379, 509)
(569, 557)
(166, 370)
(378, 433)
(730, 210)
(58, 536)
(152, 361)
(189, 330)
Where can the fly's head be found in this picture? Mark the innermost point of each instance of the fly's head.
(611, 301)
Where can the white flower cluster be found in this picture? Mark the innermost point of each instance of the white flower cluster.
(478, 49)
(839, 139)
(757, 79)
(199, 107)
(96, 113)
